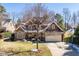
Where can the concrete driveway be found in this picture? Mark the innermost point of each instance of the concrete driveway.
(61, 49)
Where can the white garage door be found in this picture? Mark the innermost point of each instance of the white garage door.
(53, 38)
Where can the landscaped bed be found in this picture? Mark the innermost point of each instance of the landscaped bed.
(23, 49)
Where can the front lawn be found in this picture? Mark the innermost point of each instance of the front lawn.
(23, 49)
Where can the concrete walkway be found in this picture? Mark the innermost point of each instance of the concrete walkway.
(60, 49)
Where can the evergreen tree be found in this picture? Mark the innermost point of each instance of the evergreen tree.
(2, 9)
(76, 36)
(60, 21)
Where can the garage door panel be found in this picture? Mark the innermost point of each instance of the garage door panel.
(53, 38)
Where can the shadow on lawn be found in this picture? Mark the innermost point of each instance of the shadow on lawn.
(71, 53)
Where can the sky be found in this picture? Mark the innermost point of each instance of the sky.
(57, 7)
(17, 8)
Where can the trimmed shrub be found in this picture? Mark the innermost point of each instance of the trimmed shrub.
(7, 34)
(67, 39)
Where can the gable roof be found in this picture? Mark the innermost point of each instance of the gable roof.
(43, 30)
(58, 26)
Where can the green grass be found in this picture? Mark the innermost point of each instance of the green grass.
(23, 49)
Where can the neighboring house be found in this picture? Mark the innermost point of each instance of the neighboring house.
(3, 19)
(9, 26)
(49, 31)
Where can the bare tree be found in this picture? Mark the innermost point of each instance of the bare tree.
(74, 18)
(77, 16)
(38, 10)
(27, 15)
(67, 16)
(38, 14)
(15, 17)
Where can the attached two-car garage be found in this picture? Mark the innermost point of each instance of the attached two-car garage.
(54, 37)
